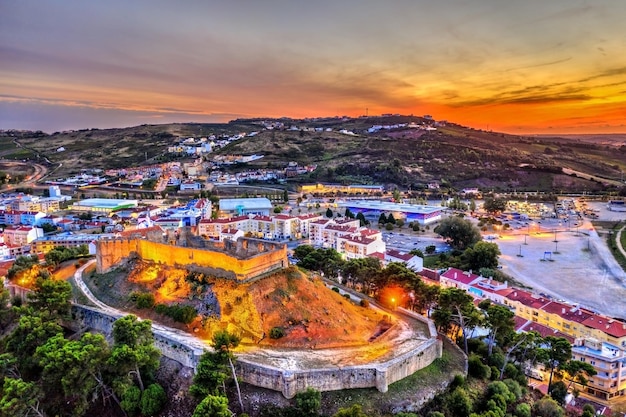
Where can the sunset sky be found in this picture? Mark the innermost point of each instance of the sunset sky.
(519, 66)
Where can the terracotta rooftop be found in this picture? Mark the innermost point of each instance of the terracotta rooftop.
(528, 299)
(609, 326)
(459, 276)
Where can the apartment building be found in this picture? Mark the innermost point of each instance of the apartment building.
(609, 361)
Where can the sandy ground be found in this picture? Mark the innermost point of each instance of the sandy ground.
(402, 338)
(578, 268)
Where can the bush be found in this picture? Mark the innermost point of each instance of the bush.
(477, 369)
(130, 400)
(346, 296)
(153, 399)
(522, 410)
(142, 299)
(335, 289)
(364, 303)
(495, 373)
(179, 313)
(277, 332)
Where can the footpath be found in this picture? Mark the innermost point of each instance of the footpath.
(165, 331)
(618, 239)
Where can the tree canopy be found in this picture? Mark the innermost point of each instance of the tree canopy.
(458, 232)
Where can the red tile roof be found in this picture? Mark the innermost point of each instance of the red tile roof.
(609, 326)
(528, 299)
(544, 331)
(459, 276)
(405, 257)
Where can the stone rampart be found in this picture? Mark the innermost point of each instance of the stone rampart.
(245, 259)
(376, 374)
(86, 317)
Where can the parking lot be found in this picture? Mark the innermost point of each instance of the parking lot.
(406, 242)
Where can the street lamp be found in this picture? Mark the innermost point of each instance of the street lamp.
(393, 303)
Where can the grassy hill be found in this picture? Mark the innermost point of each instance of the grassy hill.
(452, 154)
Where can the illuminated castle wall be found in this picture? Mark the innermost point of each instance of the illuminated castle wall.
(241, 260)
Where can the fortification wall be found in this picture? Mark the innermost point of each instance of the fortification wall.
(378, 375)
(259, 258)
(85, 317)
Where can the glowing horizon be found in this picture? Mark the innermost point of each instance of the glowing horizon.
(519, 67)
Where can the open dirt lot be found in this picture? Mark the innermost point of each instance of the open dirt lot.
(577, 268)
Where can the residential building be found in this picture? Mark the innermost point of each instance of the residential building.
(609, 361)
(21, 235)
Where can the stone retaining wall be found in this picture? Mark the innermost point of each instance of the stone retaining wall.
(86, 317)
(376, 374)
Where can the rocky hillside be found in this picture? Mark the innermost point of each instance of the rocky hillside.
(405, 157)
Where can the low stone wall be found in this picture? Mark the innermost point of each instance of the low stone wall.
(86, 317)
(376, 374)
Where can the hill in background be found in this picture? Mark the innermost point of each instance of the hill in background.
(452, 155)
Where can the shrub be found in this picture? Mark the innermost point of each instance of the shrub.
(130, 400)
(335, 289)
(277, 332)
(477, 369)
(142, 299)
(522, 410)
(152, 400)
(346, 296)
(364, 303)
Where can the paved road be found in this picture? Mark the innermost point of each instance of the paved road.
(619, 241)
(175, 334)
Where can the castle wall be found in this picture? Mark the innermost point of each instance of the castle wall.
(264, 258)
(85, 317)
(378, 375)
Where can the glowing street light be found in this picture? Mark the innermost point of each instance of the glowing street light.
(393, 302)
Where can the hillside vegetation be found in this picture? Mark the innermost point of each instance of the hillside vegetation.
(408, 158)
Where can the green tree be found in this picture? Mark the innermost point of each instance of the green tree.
(547, 407)
(131, 400)
(31, 332)
(558, 392)
(211, 373)
(557, 351)
(382, 219)
(153, 399)
(459, 403)
(458, 232)
(285, 196)
(20, 398)
(212, 406)
(472, 205)
(329, 213)
(522, 410)
(223, 343)
(494, 205)
(578, 372)
(133, 349)
(309, 402)
(456, 312)
(499, 321)
(362, 220)
(76, 367)
(430, 249)
(51, 297)
(482, 255)
(391, 219)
